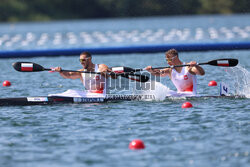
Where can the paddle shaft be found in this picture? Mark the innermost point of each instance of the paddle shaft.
(183, 65)
(217, 62)
(92, 72)
(33, 67)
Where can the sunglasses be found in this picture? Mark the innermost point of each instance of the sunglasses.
(170, 59)
(83, 60)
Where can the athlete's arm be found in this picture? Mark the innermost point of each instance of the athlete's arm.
(195, 69)
(157, 72)
(68, 75)
(104, 70)
(165, 72)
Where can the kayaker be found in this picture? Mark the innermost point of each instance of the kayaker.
(183, 78)
(93, 83)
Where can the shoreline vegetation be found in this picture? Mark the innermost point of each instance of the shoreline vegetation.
(47, 10)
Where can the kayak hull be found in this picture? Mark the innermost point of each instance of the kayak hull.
(48, 100)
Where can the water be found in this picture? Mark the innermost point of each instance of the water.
(125, 32)
(215, 132)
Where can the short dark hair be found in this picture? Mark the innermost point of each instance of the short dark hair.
(86, 53)
(172, 52)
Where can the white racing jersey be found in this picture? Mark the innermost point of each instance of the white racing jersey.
(184, 81)
(94, 83)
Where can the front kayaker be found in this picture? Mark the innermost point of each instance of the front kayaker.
(183, 78)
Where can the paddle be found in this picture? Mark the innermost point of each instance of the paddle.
(218, 62)
(33, 67)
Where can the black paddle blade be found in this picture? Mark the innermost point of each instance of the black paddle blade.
(136, 77)
(224, 62)
(128, 72)
(27, 67)
(119, 70)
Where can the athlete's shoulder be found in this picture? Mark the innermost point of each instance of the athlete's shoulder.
(103, 67)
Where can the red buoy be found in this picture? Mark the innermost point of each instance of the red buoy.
(186, 105)
(6, 83)
(212, 83)
(136, 144)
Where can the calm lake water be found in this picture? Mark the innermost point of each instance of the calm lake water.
(215, 132)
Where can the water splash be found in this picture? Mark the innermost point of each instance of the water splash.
(159, 91)
(240, 80)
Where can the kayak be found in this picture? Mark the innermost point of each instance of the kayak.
(49, 100)
(45, 100)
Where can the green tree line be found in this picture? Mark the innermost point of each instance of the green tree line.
(41, 10)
